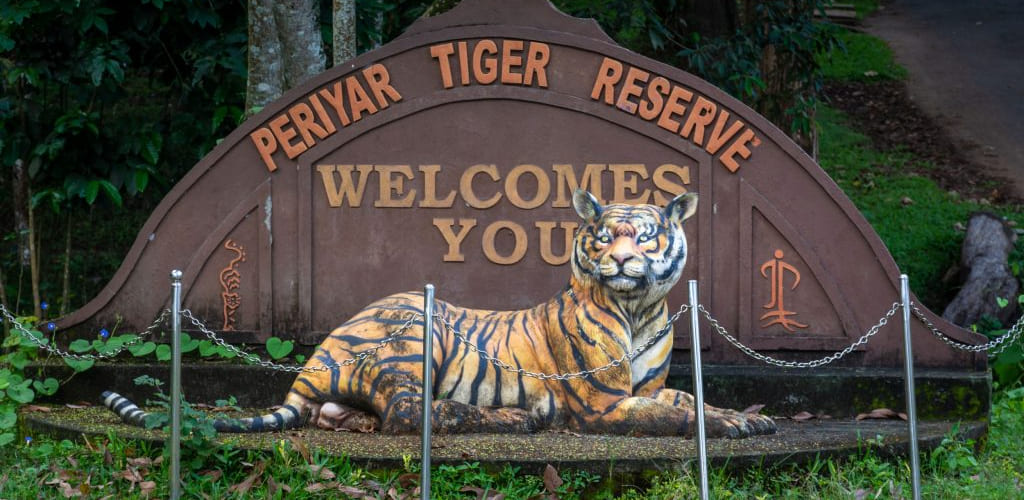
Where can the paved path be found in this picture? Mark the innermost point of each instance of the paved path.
(966, 64)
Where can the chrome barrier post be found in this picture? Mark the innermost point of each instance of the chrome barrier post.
(698, 392)
(428, 357)
(176, 384)
(908, 365)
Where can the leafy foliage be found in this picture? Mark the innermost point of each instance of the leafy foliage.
(102, 100)
(198, 445)
(17, 386)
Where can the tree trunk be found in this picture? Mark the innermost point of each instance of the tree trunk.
(266, 80)
(298, 29)
(344, 24)
(66, 288)
(33, 250)
(20, 205)
(985, 273)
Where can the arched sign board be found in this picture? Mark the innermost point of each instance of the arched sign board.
(449, 157)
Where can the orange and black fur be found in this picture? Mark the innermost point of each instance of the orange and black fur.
(625, 260)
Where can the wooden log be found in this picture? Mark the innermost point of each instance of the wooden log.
(985, 273)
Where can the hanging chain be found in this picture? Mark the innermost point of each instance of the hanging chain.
(996, 345)
(256, 360)
(1001, 342)
(53, 349)
(562, 376)
(805, 364)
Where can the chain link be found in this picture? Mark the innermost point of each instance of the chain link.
(256, 360)
(563, 376)
(804, 364)
(1002, 342)
(52, 349)
(996, 345)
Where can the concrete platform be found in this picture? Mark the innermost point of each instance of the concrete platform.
(610, 456)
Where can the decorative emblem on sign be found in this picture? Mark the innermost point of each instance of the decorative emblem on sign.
(230, 281)
(779, 315)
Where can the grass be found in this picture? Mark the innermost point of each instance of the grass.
(860, 57)
(917, 220)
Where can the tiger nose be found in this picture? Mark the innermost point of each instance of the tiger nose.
(622, 251)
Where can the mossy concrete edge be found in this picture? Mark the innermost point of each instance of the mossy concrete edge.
(610, 456)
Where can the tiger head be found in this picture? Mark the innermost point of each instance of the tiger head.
(636, 252)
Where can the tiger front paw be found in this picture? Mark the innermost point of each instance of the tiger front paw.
(734, 425)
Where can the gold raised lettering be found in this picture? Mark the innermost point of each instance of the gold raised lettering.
(430, 189)
(667, 185)
(392, 182)
(453, 240)
(512, 186)
(624, 178)
(566, 183)
(547, 254)
(353, 191)
(466, 186)
(518, 248)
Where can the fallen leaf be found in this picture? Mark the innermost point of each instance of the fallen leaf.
(300, 446)
(77, 406)
(37, 408)
(803, 416)
(551, 479)
(318, 487)
(353, 491)
(147, 487)
(881, 413)
(141, 462)
(213, 474)
(409, 480)
(483, 494)
(322, 472)
(753, 409)
(247, 484)
(906, 200)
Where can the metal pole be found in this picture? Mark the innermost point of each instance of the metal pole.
(428, 358)
(698, 392)
(176, 385)
(908, 364)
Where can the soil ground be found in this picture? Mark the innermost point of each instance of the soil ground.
(966, 74)
(893, 121)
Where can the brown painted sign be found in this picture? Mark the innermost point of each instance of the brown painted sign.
(449, 157)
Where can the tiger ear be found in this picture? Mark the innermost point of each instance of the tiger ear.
(588, 208)
(681, 207)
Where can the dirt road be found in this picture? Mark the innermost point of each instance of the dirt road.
(966, 64)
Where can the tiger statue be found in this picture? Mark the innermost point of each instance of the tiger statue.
(625, 259)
